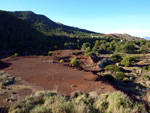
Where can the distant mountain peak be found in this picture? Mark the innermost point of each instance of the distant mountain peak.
(146, 37)
(127, 36)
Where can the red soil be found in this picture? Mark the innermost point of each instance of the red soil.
(37, 72)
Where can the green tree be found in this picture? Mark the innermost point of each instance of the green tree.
(88, 51)
(119, 75)
(128, 48)
(96, 47)
(128, 61)
(85, 45)
(116, 58)
(144, 49)
(114, 68)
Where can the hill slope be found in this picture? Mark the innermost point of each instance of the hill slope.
(126, 36)
(48, 27)
(18, 36)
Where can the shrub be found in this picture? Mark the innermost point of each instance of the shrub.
(76, 53)
(85, 45)
(75, 94)
(88, 52)
(147, 98)
(15, 55)
(50, 53)
(75, 62)
(47, 102)
(109, 78)
(136, 57)
(126, 79)
(116, 58)
(128, 61)
(148, 68)
(117, 102)
(1, 86)
(146, 77)
(61, 61)
(119, 75)
(54, 48)
(114, 68)
(145, 67)
(6, 79)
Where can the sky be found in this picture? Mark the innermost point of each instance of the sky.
(103, 16)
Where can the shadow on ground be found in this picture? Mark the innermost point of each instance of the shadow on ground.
(4, 65)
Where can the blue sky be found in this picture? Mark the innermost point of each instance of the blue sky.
(104, 16)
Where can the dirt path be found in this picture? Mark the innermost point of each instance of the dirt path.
(38, 72)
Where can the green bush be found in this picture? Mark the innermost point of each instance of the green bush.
(148, 68)
(75, 94)
(61, 61)
(75, 62)
(117, 102)
(119, 75)
(114, 68)
(126, 79)
(6, 79)
(88, 52)
(116, 58)
(109, 78)
(76, 53)
(136, 57)
(15, 55)
(145, 67)
(146, 77)
(50, 53)
(128, 61)
(85, 45)
(49, 102)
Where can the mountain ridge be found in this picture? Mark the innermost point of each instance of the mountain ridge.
(126, 36)
(47, 26)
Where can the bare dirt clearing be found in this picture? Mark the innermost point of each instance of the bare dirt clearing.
(36, 71)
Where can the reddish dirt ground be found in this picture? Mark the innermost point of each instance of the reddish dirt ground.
(37, 72)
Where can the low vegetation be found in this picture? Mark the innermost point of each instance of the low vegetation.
(88, 52)
(146, 68)
(50, 53)
(146, 77)
(32, 36)
(119, 75)
(75, 62)
(15, 55)
(114, 68)
(6, 79)
(44, 102)
(116, 58)
(129, 60)
(61, 61)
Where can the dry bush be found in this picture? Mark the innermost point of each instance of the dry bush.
(47, 102)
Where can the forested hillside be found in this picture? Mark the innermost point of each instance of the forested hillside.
(36, 34)
(49, 27)
(18, 36)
